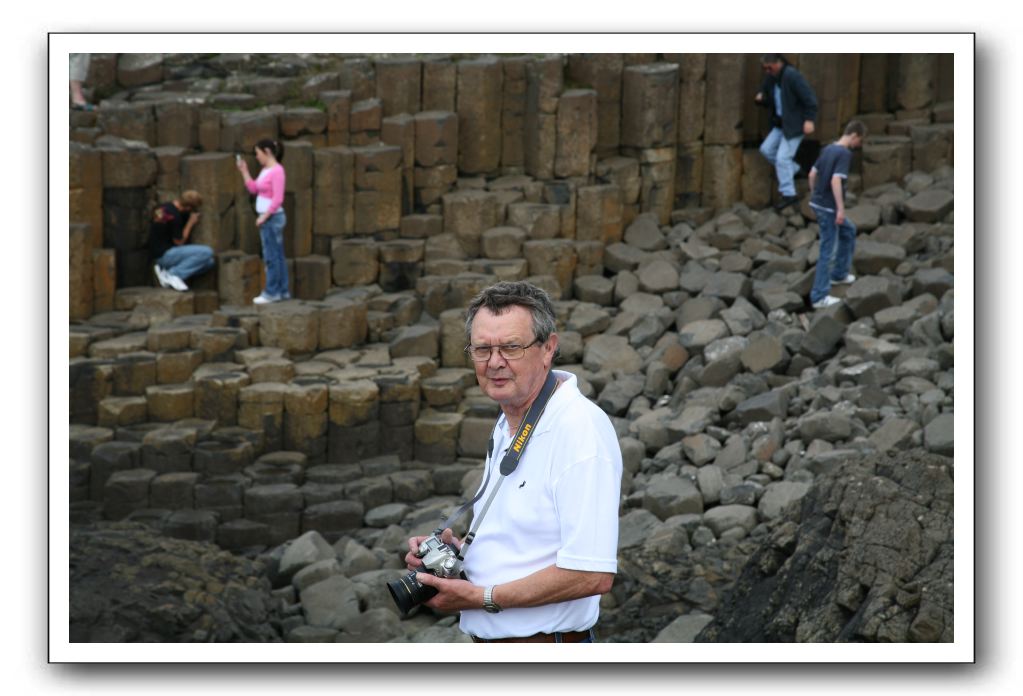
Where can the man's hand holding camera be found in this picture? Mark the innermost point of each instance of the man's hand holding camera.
(453, 594)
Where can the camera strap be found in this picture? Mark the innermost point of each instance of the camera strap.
(508, 464)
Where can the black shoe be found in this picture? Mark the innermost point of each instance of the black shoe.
(785, 202)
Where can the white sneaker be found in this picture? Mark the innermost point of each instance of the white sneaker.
(176, 283)
(161, 276)
(263, 298)
(845, 281)
(826, 302)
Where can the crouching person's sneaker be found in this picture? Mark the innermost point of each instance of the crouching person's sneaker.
(175, 282)
(826, 302)
(263, 298)
(161, 276)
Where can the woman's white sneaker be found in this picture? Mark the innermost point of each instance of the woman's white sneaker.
(845, 281)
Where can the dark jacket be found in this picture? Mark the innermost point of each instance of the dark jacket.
(798, 102)
(166, 229)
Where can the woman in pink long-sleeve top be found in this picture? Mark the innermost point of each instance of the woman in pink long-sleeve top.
(268, 188)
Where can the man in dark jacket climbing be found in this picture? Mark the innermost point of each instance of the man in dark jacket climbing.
(793, 107)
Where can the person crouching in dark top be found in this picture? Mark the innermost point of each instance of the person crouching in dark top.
(170, 230)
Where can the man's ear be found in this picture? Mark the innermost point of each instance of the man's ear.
(551, 347)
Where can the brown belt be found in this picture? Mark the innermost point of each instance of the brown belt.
(566, 637)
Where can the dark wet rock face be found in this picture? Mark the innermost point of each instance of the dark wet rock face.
(869, 558)
(130, 584)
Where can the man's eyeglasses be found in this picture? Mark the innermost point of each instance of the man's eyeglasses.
(509, 351)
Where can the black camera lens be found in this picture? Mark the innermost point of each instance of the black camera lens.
(408, 592)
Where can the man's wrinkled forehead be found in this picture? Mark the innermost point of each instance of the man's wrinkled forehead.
(509, 323)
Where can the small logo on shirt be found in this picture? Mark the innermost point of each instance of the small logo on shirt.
(522, 484)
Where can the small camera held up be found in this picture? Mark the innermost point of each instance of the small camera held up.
(439, 559)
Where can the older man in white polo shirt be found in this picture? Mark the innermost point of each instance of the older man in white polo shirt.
(546, 548)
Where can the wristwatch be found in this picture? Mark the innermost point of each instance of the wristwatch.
(489, 604)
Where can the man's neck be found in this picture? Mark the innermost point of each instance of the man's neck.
(844, 141)
(514, 414)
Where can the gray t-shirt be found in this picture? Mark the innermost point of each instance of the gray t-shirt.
(833, 161)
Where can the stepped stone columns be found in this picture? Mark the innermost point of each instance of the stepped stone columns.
(726, 99)
(298, 200)
(599, 214)
(400, 132)
(398, 82)
(649, 105)
(131, 121)
(436, 156)
(80, 279)
(353, 421)
(722, 175)
(399, 409)
(125, 492)
(355, 261)
(214, 175)
(513, 112)
(603, 73)
(293, 326)
(377, 188)
(333, 193)
(886, 158)
(108, 458)
(85, 195)
(261, 407)
(544, 82)
(305, 419)
(166, 450)
(338, 105)
(467, 214)
(216, 396)
(358, 76)
(576, 132)
(649, 112)
(127, 175)
(915, 88)
(278, 506)
(222, 494)
(440, 78)
(241, 130)
(479, 115)
(170, 402)
(436, 436)
(177, 124)
(401, 264)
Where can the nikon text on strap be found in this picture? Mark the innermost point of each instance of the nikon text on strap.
(508, 464)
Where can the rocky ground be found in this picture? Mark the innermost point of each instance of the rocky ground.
(733, 402)
(787, 471)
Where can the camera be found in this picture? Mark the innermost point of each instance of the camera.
(439, 559)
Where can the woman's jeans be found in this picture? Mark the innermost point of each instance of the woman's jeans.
(781, 153)
(832, 265)
(271, 234)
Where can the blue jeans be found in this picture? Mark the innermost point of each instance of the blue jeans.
(271, 234)
(832, 264)
(187, 260)
(781, 152)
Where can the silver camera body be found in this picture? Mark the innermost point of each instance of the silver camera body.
(440, 558)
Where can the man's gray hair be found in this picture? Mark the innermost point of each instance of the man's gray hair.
(500, 296)
(772, 58)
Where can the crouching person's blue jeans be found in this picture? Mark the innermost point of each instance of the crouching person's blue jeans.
(187, 260)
